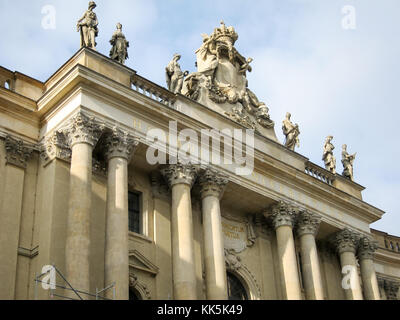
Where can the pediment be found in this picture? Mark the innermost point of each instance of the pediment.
(140, 262)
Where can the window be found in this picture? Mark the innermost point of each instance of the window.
(134, 209)
(236, 290)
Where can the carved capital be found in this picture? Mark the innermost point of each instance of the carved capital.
(17, 152)
(83, 129)
(366, 248)
(212, 183)
(281, 214)
(180, 174)
(307, 223)
(120, 144)
(54, 147)
(345, 241)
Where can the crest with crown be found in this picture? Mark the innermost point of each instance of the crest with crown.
(225, 35)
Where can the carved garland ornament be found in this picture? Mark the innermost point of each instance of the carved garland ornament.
(17, 152)
(140, 287)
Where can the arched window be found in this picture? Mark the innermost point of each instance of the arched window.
(236, 290)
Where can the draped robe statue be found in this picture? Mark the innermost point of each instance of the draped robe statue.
(87, 26)
(120, 45)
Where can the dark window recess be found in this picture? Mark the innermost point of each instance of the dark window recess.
(133, 295)
(236, 290)
(134, 212)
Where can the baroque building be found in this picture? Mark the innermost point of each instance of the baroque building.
(80, 192)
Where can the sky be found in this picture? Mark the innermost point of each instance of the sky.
(337, 71)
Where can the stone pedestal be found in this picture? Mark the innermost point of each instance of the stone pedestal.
(119, 149)
(212, 187)
(366, 250)
(307, 228)
(181, 178)
(283, 219)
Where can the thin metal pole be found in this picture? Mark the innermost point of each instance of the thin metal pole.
(67, 282)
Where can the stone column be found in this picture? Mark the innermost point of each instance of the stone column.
(366, 250)
(212, 186)
(307, 227)
(346, 242)
(119, 149)
(82, 133)
(17, 156)
(283, 217)
(181, 179)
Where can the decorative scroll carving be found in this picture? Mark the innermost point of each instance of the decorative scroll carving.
(281, 214)
(235, 265)
(140, 287)
(120, 144)
(83, 129)
(367, 247)
(345, 241)
(212, 183)
(307, 223)
(180, 173)
(55, 146)
(17, 152)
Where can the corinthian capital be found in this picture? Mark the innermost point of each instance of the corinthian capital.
(120, 144)
(180, 174)
(307, 223)
(55, 146)
(281, 214)
(212, 183)
(83, 129)
(345, 241)
(367, 247)
(17, 152)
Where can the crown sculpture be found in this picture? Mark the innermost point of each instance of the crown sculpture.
(221, 82)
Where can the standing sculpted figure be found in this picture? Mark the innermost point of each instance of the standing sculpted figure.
(175, 75)
(292, 132)
(87, 25)
(328, 157)
(347, 162)
(120, 45)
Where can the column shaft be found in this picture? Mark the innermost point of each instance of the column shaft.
(348, 261)
(78, 230)
(369, 280)
(214, 258)
(117, 229)
(183, 267)
(311, 269)
(288, 262)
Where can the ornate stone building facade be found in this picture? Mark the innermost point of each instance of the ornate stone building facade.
(77, 191)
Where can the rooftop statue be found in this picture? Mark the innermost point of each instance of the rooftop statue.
(120, 45)
(174, 75)
(87, 26)
(347, 162)
(328, 157)
(291, 132)
(221, 84)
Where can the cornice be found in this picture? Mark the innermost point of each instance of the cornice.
(82, 76)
